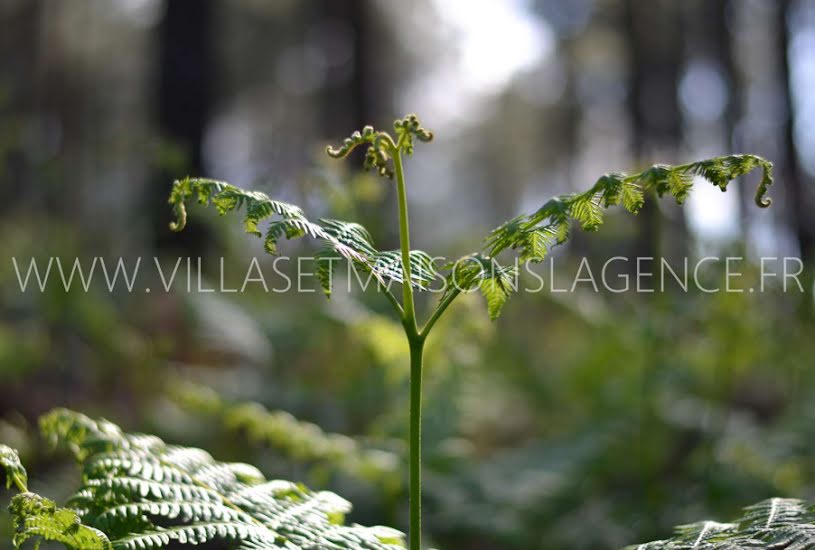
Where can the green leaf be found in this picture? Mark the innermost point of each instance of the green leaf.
(496, 282)
(13, 469)
(39, 518)
(346, 240)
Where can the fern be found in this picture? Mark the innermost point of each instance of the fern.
(298, 440)
(782, 523)
(342, 240)
(496, 282)
(553, 219)
(531, 236)
(13, 469)
(139, 493)
(36, 517)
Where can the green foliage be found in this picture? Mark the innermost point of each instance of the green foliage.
(138, 493)
(36, 517)
(13, 469)
(774, 523)
(496, 282)
(345, 240)
(532, 235)
(300, 441)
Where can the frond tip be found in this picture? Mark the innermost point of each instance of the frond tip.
(382, 146)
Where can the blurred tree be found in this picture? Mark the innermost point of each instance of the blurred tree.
(185, 74)
(654, 32)
(19, 50)
(355, 101)
(797, 181)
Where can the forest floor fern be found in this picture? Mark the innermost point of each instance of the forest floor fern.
(140, 493)
(776, 523)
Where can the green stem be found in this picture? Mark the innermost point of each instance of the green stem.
(416, 344)
(404, 239)
(439, 312)
(416, 352)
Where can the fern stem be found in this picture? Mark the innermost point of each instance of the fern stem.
(442, 307)
(416, 344)
(404, 240)
(416, 353)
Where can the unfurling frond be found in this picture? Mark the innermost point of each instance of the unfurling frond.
(382, 146)
(554, 217)
(409, 128)
(13, 469)
(343, 240)
(773, 523)
(138, 493)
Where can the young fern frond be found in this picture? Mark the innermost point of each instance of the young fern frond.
(381, 146)
(138, 493)
(533, 235)
(551, 222)
(343, 240)
(773, 523)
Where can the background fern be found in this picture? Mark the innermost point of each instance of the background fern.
(778, 523)
(139, 493)
(303, 442)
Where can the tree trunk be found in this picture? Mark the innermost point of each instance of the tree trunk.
(184, 99)
(796, 181)
(654, 35)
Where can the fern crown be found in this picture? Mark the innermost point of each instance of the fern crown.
(530, 236)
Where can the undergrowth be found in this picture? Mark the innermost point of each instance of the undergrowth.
(139, 492)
